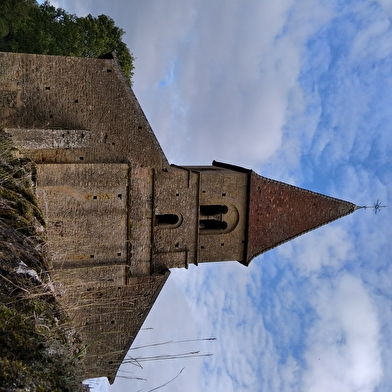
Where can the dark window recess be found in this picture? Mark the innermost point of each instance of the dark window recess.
(119, 254)
(76, 101)
(112, 322)
(95, 197)
(213, 209)
(202, 247)
(212, 224)
(119, 196)
(222, 244)
(177, 194)
(109, 70)
(91, 256)
(177, 245)
(81, 158)
(166, 219)
(223, 194)
(139, 127)
(50, 115)
(47, 88)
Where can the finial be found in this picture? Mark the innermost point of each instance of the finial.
(376, 206)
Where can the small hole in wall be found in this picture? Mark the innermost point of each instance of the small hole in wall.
(223, 194)
(222, 244)
(89, 289)
(202, 247)
(76, 101)
(139, 127)
(119, 254)
(177, 245)
(109, 70)
(112, 322)
(113, 143)
(95, 197)
(203, 191)
(63, 135)
(91, 256)
(119, 196)
(177, 194)
(110, 362)
(50, 115)
(81, 158)
(47, 88)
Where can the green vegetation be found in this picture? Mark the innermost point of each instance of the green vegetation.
(39, 351)
(26, 26)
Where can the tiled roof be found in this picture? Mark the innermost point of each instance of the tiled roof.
(279, 212)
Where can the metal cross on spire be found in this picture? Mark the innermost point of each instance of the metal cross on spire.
(376, 206)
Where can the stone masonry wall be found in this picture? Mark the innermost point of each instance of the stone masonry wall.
(107, 315)
(90, 98)
(175, 193)
(85, 208)
(229, 188)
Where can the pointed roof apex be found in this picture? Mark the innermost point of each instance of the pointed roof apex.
(279, 212)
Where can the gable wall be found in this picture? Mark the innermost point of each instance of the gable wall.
(88, 99)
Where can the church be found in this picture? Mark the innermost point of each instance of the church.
(119, 216)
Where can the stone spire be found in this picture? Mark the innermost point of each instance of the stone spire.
(279, 212)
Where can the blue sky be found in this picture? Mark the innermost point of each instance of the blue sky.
(301, 91)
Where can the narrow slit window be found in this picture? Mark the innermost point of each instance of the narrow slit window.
(166, 219)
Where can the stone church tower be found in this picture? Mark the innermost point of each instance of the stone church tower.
(118, 215)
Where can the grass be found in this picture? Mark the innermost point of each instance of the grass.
(39, 351)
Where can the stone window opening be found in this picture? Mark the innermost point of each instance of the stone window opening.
(166, 219)
(213, 209)
(212, 224)
(211, 217)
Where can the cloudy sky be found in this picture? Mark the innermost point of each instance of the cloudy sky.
(300, 91)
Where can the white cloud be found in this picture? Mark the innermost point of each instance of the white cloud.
(344, 350)
(329, 246)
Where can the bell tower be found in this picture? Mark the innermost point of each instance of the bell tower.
(225, 212)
